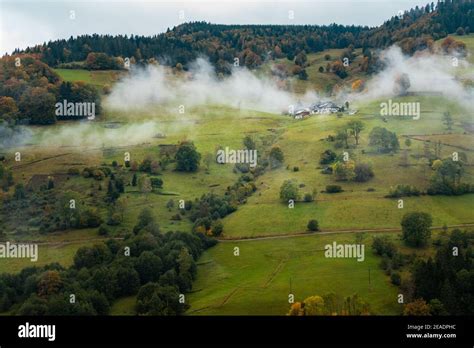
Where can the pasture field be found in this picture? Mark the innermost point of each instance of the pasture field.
(61, 252)
(99, 78)
(54, 150)
(302, 143)
(361, 205)
(257, 282)
(260, 279)
(255, 220)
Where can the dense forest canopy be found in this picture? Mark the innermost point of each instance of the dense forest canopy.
(30, 89)
(253, 44)
(157, 267)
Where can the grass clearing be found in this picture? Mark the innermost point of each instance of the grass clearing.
(62, 253)
(258, 281)
(124, 306)
(98, 78)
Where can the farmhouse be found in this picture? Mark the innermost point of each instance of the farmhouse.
(325, 108)
(319, 108)
(301, 113)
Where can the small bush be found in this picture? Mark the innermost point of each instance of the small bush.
(385, 263)
(114, 219)
(176, 217)
(73, 171)
(156, 182)
(333, 189)
(395, 278)
(384, 246)
(313, 225)
(328, 157)
(217, 228)
(242, 167)
(327, 170)
(103, 230)
(98, 174)
(403, 191)
(363, 172)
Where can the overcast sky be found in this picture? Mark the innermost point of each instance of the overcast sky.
(26, 23)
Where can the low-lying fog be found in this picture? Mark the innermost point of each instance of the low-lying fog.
(154, 86)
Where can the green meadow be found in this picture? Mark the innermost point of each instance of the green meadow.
(62, 253)
(361, 205)
(98, 78)
(259, 280)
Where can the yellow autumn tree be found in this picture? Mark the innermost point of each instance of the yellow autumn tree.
(296, 309)
(344, 170)
(49, 283)
(314, 305)
(417, 307)
(358, 85)
(436, 164)
(330, 304)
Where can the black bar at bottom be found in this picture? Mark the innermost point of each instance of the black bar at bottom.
(237, 330)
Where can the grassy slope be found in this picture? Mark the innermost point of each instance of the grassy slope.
(99, 78)
(62, 253)
(206, 127)
(258, 281)
(302, 144)
(248, 284)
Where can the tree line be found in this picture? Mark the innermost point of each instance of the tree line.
(442, 284)
(254, 44)
(30, 89)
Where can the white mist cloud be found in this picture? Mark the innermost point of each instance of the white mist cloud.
(427, 73)
(156, 90)
(13, 136)
(89, 134)
(156, 86)
(242, 89)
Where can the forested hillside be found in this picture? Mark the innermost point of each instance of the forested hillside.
(253, 44)
(29, 90)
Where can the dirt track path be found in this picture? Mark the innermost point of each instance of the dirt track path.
(305, 234)
(65, 242)
(250, 239)
(420, 138)
(39, 160)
